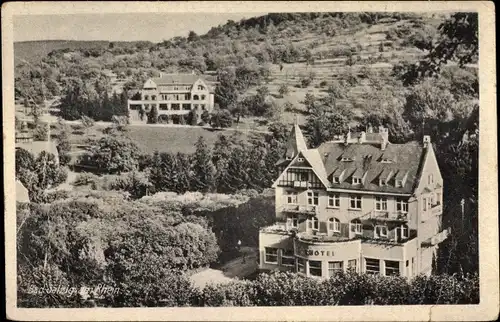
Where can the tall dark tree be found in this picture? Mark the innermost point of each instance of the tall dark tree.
(203, 171)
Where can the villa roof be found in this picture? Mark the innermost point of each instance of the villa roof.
(410, 157)
(184, 79)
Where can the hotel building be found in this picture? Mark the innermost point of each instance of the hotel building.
(174, 94)
(359, 202)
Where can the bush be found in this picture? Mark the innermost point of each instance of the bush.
(222, 119)
(41, 133)
(86, 178)
(305, 82)
(323, 83)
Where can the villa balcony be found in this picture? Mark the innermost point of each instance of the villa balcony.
(300, 209)
(301, 184)
(389, 216)
(315, 237)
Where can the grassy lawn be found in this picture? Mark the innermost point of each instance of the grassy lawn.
(175, 139)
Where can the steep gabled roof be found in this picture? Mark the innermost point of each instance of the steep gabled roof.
(409, 158)
(295, 143)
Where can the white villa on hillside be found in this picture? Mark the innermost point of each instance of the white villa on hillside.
(174, 94)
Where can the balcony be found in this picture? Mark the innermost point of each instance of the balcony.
(301, 184)
(389, 216)
(300, 209)
(320, 237)
(277, 228)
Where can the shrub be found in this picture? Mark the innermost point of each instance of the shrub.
(41, 133)
(305, 82)
(221, 118)
(323, 83)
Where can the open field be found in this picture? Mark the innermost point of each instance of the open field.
(176, 139)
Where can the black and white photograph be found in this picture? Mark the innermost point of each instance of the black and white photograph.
(302, 157)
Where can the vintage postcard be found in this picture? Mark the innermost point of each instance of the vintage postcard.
(289, 161)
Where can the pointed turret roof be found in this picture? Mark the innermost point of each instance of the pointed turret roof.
(295, 143)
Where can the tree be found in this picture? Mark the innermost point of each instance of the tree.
(192, 36)
(203, 171)
(112, 154)
(323, 126)
(283, 90)
(205, 117)
(39, 173)
(87, 122)
(41, 132)
(63, 145)
(226, 92)
(221, 119)
(309, 102)
(279, 131)
(153, 115)
(459, 41)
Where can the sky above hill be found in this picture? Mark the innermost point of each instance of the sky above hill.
(118, 27)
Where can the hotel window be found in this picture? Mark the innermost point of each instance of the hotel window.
(438, 199)
(302, 176)
(202, 97)
(287, 257)
(146, 97)
(335, 267)
(195, 97)
(300, 159)
(313, 223)
(372, 266)
(380, 231)
(292, 221)
(352, 264)
(381, 203)
(334, 200)
(312, 198)
(201, 87)
(425, 204)
(315, 268)
(291, 197)
(431, 179)
(354, 202)
(301, 265)
(336, 179)
(356, 180)
(391, 268)
(356, 227)
(334, 225)
(399, 183)
(403, 232)
(271, 255)
(401, 205)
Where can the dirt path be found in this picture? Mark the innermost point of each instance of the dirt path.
(239, 267)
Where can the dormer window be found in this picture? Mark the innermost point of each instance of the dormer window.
(336, 179)
(346, 159)
(386, 160)
(356, 180)
(399, 183)
(382, 182)
(288, 157)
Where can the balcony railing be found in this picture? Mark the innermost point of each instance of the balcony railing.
(320, 237)
(301, 184)
(300, 209)
(389, 216)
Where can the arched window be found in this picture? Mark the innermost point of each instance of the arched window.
(153, 97)
(201, 87)
(313, 223)
(146, 97)
(356, 227)
(195, 97)
(202, 97)
(334, 225)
